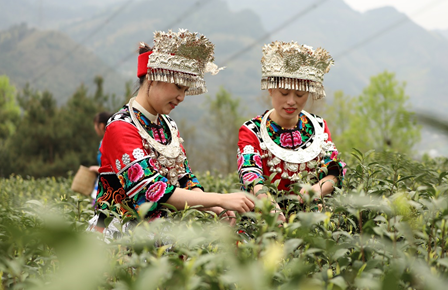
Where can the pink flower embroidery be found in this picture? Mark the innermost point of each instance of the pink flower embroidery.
(287, 141)
(135, 172)
(345, 169)
(240, 161)
(334, 155)
(159, 136)
(257, 160)
(152, 162)
(249, 177)
(156, 191)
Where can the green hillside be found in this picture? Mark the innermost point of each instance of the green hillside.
(49, 60)
(48, 14)
(229, 31)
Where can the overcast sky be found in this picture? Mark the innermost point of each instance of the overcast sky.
(431, 14)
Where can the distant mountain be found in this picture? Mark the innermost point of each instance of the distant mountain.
(363, 45)
(229, 31)
(44, 14)
(51, 60)
(117, 41)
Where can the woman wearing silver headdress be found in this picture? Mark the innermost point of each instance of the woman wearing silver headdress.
(143, 159)
(288, 141)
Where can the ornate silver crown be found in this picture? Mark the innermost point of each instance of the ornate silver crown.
(289, 65)
(182, 58)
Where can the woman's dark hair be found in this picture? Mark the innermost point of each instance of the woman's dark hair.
(101, 118)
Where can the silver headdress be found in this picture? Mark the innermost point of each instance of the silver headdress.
(181, 58)
(288, 65)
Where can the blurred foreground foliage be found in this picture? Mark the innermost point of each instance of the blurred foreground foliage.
(386, 228)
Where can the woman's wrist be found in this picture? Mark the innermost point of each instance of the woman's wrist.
(219, 199)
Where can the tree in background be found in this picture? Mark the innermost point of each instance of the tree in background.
(338, 116)
(191, 144)
(9, 109)
(380, 118)
(223, 121)
(110, 102)
(10, 116)
(34, 142)
(51, 140)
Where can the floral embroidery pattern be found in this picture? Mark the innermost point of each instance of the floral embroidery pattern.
(248, 149)
(138, 153)
(257, 160)
(160, 133)
(249, 177)
(135, 172)
(290, 140)
(300, 134)
(155, 191)
(131, 174)
(157, 136)
(304, 119)
(126, 159)
(334, 155)
(153, 164)
(343, 166)
(122, 181)
(240, 161)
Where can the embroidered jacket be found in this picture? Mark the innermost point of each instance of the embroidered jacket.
(129, 173)
(256, 161)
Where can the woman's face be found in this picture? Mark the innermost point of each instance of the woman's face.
(287, 104)
(163, 97)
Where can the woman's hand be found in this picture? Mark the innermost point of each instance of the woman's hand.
(303, 193)
(238, 201)
(228, 216)
(94, 168)
(281, 217)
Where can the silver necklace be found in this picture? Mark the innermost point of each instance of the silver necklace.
(292, 158)
(171, 157)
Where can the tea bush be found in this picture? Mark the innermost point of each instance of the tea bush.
(385, 228)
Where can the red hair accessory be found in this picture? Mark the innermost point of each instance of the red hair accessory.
(142, 68)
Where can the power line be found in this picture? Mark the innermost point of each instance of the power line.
(197, 5)
(385, 30)
(82, 42)
(289, 21)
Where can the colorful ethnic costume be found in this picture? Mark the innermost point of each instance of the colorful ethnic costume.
(267, 149)
(133, 171)
(143, 159)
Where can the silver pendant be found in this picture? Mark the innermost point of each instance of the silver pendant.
(292, 167)
(276, 160)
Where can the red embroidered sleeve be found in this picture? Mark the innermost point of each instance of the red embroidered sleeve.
(250, 165)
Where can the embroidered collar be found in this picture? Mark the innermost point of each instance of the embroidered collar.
(308, 151)
(292, 138)
(148, 115)
(170, 156)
